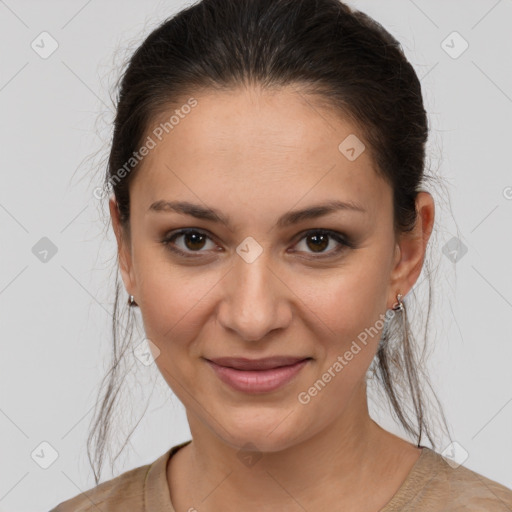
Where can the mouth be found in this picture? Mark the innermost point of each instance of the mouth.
(257, 375)
(267, 363)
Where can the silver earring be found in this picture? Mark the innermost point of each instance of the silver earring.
(131, 301)
(399, 305)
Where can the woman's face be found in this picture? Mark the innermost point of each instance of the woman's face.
(265, 282)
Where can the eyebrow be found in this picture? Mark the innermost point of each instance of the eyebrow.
(293, 217)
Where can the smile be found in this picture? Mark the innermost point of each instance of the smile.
(257, 381)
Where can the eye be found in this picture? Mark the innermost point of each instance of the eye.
(193, 240)
(319, 240)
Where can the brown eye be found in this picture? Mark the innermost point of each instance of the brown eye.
(192, 241)
(317, 241)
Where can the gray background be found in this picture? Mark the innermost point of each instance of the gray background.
(55, 315)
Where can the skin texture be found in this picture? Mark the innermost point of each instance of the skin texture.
(255, 155)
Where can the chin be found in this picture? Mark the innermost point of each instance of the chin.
(263, 433)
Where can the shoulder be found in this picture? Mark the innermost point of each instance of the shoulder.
(473, 491)
(137, 490)
(124, 492)
(436, 484)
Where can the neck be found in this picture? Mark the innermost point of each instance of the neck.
(333, 467)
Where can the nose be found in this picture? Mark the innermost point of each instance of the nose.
(255, 300)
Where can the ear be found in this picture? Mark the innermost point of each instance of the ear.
(123, 248)
(411, 247)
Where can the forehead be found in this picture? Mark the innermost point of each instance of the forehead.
(256, 147)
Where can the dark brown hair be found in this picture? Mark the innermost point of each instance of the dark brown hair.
(323, 48)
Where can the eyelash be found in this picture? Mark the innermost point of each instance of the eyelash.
(338, 237)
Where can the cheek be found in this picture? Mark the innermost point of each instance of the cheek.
(171, 314)
(347, 309)
(173, 302)
(345, 301)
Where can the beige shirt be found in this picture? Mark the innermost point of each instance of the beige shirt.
(431, 485)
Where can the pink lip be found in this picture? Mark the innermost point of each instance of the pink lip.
(257, 381)
(266, 363)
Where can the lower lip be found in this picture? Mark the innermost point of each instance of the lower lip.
(257, 381)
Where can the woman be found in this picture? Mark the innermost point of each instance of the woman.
(270, 211)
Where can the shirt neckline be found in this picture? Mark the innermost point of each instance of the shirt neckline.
(157, 493)
(156, 487)
(419, 476)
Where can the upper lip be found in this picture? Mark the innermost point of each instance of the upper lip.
(242, 363)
